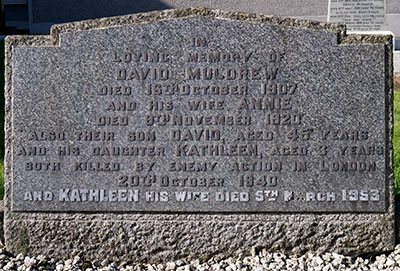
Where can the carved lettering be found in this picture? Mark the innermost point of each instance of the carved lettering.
(98, 195)
(355, 150)
(192, 166)
(216, 57)
(115, 91)
(232, 196)
(148, 136)
(188, 181)
(42, 166)
(142, 74)
(38, 196)
(97, 166)
(197, 90)
(157, 196)
(289, 150)
(282, 119)
(31, 151)
(346, 166)
(338, 134)
(254, 136)
(95, 136)
(68, 151)
(205, 105)
(46, 136)
(216, 150)
(195, 134)
(112, 121)
(270, 104)
(256, 166)
(128, 151)
(188, 196)
(121, 106)
(244, 73)
(198, 120)
(139, 56)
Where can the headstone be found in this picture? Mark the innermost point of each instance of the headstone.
(358, 15)
(196, 132)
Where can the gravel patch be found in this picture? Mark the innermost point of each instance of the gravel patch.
(260, 261)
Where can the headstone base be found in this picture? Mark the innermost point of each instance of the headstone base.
(163, 237)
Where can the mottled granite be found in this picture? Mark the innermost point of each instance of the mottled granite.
(349, 74)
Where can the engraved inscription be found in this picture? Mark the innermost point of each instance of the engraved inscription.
(220, 116)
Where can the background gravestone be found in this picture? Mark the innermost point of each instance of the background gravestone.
(364, 15)
(195, 132)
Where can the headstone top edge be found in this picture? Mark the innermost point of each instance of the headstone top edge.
(169, 14)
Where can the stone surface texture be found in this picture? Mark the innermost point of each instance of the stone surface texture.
(165, 235)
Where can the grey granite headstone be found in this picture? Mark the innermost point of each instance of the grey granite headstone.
(196, 132)
(358, 15)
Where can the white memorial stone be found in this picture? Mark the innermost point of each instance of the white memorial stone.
(358, 15)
